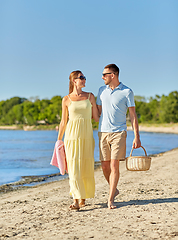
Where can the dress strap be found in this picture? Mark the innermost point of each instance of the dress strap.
(69, 98)
(89, 96)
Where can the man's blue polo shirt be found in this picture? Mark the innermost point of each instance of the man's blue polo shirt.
(114, 107)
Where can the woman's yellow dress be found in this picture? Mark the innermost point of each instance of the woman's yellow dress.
(79, 147)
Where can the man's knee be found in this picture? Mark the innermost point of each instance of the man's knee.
(115, 166)
(105, 165)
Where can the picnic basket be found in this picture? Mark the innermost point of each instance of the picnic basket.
(138, 163)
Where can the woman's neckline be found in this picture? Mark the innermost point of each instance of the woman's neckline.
(79, 100)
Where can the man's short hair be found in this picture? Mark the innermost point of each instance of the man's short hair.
(113, 68)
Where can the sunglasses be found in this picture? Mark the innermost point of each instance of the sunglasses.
(104, 74)
(81, 78)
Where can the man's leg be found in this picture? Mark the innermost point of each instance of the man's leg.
(106, 169)
(113, 180)
(117, 141)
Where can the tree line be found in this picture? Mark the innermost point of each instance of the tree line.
(160, 109)
(26, 111)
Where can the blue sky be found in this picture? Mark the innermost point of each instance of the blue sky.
(42, 41)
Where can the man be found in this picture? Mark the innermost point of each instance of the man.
(113, 101)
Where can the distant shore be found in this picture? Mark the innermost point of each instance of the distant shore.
(159, 128)
(162, 128)
(29, 128)
(13, 127)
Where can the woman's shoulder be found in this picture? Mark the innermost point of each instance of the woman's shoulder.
(88, 94)
(66, 99)
(91, 97)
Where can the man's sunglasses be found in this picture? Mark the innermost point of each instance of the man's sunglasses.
(104, 74)
(81, 77)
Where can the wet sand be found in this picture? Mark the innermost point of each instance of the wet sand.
(146, 207)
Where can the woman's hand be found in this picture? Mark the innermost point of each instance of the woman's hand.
(95, 112)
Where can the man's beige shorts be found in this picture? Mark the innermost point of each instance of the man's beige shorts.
(112, 145)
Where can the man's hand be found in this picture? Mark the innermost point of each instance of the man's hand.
(136, 143)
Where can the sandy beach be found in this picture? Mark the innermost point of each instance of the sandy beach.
(157, 128)
(146, 207)
(162, 128)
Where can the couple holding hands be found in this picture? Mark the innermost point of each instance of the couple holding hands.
(78, 108)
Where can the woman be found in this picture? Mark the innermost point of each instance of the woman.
(79, 141)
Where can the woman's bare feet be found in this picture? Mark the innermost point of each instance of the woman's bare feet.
(75, 205)
(82, 203)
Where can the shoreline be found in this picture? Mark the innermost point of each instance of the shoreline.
(158, 128)
(146, 207)
(35, 180)
(28, 181)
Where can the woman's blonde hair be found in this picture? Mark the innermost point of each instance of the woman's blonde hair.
(72, 76)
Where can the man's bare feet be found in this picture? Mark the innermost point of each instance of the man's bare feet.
(111, 205)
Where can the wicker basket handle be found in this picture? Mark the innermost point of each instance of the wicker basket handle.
(143, 149)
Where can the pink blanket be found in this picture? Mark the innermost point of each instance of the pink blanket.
(59, 157)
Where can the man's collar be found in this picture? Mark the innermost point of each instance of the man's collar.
(118, 87)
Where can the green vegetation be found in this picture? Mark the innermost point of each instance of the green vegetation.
(22, 111)
(162, 109)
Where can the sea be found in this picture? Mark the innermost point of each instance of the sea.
(28, 153)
